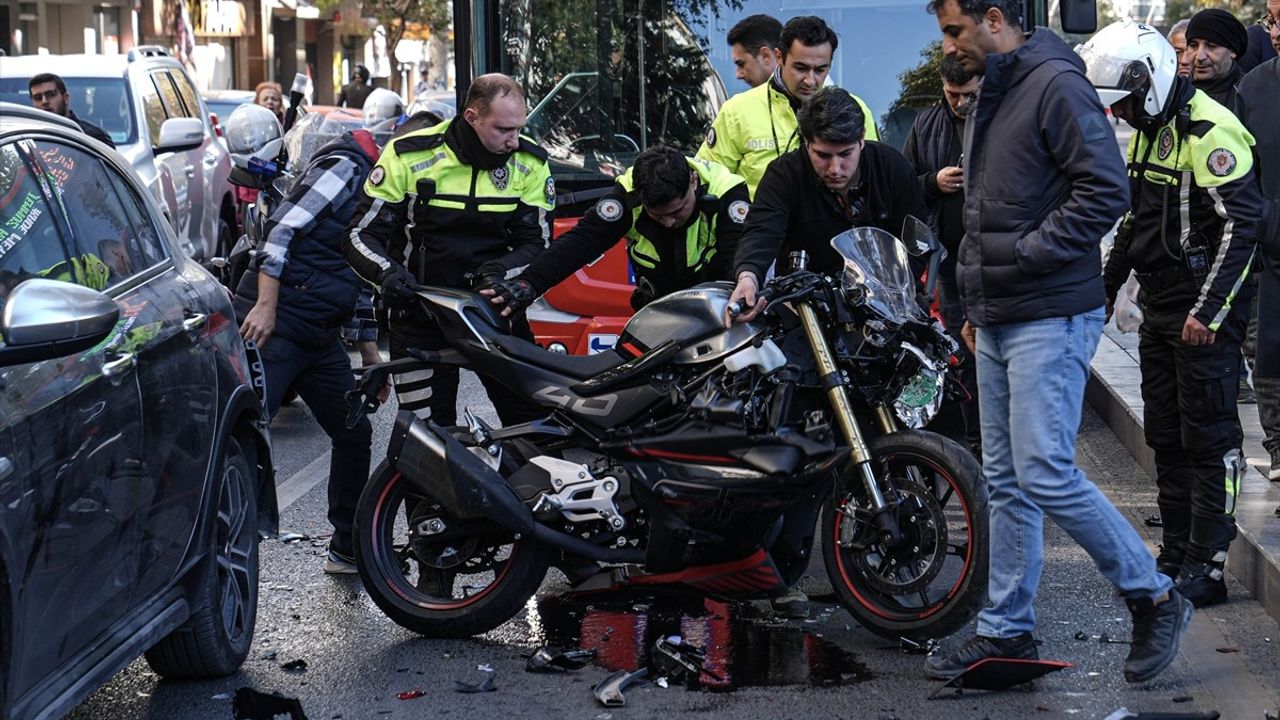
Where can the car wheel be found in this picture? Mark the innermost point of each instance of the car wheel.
(216, 639)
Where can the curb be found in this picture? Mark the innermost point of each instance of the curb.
(1113, 392)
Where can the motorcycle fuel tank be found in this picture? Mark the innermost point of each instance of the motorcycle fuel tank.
(694, 319)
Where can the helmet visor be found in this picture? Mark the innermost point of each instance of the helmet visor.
(1114, 78)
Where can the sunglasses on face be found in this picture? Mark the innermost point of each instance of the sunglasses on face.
(46, 95)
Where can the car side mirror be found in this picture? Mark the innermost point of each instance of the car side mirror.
(178, 134)
(45, 319)
(1079, 17)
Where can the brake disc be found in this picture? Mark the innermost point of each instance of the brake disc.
(916, 563)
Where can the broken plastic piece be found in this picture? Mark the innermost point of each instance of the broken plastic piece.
(1081, 635)
(253, 705)
(298, 665)
(1000, 674)
(293, 537)
(411, 694)
(1106, 639)
(1127, 714)
(548, 659)
(485, 685)
(661, 682)
(906, 644)
(609, 691)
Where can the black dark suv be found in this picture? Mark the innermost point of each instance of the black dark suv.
(135, 461)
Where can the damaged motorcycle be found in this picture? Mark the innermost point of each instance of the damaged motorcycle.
(692, 454)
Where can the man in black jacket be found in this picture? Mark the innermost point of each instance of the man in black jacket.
(1043, 183)
(835, 181)
(1256, 104)
(293, 302)
(1215, 39)
(354, 93)
(49, 93)
(934, 149)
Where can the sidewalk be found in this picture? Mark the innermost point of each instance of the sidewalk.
(1114, 392)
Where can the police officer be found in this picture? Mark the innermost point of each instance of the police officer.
(759, 125)
(1190, 236)
(463, 203)
(680, 217)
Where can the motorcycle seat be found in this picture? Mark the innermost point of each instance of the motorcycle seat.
(580, 367)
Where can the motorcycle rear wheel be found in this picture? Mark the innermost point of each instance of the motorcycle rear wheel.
(453, 589)
(936, 581)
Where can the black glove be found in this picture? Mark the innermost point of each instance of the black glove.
(487, 275)
(399, 286)
(516, 293)
(643, 294)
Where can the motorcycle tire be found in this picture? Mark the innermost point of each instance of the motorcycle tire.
(936, 580)
(424, 599)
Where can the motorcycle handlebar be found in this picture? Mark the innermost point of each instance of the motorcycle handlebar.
(735, 308)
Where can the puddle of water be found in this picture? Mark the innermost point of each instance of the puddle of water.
(739, 651)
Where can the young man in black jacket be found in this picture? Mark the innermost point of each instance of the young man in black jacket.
(1043, 183)
(935, 149)
(835, 181)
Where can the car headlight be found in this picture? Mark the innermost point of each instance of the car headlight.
(921, 397)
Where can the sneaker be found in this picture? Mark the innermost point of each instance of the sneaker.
(1202, 582)
(1274, 474)
(339, 564)
(1157, 629)
(793, 606)
(947, 667)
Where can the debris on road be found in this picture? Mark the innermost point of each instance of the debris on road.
(298, 665)
(1127, 714)
(411, 694)
(253, 705)
(548, 659)
(293, 537)
(609, 691)
(485, 685)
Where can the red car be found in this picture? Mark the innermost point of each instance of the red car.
(585, 313)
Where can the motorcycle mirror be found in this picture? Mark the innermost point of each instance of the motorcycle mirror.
(917, 236)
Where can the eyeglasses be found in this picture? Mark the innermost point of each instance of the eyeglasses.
(46, 95)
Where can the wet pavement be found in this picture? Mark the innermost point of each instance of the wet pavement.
(361, 665)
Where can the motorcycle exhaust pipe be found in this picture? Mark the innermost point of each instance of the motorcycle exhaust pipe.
(447, 472)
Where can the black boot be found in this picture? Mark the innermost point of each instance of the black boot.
(1169, 561)
(1201, 582)
(946, 667)
(1157, 628)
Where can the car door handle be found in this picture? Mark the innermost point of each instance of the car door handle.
(194, 321)
(122, 363)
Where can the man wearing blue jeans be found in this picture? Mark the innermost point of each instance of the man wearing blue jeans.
(1043, 183)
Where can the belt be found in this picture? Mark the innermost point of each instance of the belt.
(1154, 283)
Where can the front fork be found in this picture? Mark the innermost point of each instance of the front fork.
(859, 453)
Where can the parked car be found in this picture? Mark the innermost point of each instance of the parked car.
(148, 104)
(135, 458)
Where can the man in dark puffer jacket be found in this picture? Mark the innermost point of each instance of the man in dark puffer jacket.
(1044, 182)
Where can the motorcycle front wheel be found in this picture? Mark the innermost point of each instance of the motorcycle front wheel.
(932, 582)
(428, 573)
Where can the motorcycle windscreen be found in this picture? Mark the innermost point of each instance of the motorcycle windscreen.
(876, 263)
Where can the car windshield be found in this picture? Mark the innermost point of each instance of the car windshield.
(105, 102)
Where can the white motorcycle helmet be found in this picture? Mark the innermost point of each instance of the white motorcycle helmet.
(252, 131)
(1127, 57)
(382, 105)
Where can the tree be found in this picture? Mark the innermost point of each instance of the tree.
(396, 16)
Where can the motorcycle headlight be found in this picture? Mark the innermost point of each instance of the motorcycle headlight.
(921, 397)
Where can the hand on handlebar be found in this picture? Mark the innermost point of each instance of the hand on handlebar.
(744, 303)
(513, 295)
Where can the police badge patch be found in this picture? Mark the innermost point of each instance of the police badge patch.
(549, 190)
(711, 138)
(1221, 162)
(1164, 143)
(609, 209)
(500, 176)
(738, 211)
(377, 176)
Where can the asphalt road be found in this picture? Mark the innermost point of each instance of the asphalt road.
(358, 661)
